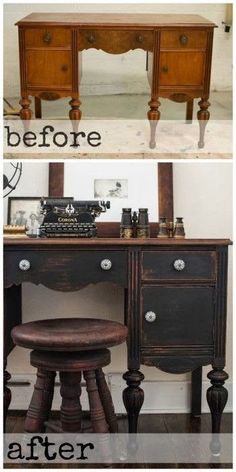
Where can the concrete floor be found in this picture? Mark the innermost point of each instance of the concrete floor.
(135, 107)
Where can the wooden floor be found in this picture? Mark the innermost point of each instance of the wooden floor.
(167, 423)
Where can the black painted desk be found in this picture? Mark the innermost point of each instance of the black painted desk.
(175, 302)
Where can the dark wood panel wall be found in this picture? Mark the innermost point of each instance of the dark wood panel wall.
(56, 179)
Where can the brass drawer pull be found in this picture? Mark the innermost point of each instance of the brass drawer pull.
(47, 38)
(150, 316)
(165, 69)
(140, 38)
(91, 38)
(106, 264)
(24, 265)
(183, 39)
(64, 67)
(179, 264)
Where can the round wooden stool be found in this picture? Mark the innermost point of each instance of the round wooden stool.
(70, 346)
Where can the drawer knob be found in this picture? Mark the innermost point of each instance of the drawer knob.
(47, 38)
(106, 264)
(91, 38)
(179, 264)
(140, 38)
(24, 265)
(165, 69)
(183, 39)
(64, 67)
(150, 316)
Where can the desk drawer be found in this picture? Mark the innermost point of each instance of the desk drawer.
(66, 270)
(115, 41)
(48, 37)
(178, 265)
(182, 68)
(183, 39)
(177, 316)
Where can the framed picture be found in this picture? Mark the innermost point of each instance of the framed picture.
(111, 188)
(25, 211)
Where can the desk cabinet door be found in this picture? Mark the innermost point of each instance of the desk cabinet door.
(182, 68)
(49, 68)
(184, 315)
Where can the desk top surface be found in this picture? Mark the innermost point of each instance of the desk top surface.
(99, 242)
(115, 19)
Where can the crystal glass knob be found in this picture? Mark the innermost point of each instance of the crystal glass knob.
(150, 316)
(179, 264)
(106, 264)
(24, 264)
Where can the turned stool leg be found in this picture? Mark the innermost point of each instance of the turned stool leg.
(41, 402)
(71, 413)
(107, 402)
(97, 414)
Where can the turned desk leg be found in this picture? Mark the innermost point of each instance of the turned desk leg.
(38, 107)
(133, 397)
(25, 111)
(75, 113)
(217, 396)
(189, 111)
(153, 116)
(196, 394)
(203, 116)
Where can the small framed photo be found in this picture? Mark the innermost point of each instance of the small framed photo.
(25, 211)
(111, 188)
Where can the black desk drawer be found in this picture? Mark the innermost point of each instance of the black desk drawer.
(178, 265)
(66, 270)
(177, 315)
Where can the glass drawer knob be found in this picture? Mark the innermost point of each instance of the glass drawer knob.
(106, 264)
(150, 316)
(179, 264)
(24, 264)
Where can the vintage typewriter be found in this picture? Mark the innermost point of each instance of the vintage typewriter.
(70, 218)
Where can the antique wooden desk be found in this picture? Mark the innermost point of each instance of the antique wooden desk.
(179, 46)
(175, 302)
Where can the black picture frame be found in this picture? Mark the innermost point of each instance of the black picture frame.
(24, 211)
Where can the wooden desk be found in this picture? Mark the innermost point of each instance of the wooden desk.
(175, 302)
(179, 48)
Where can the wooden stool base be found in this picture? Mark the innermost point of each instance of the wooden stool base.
(71, 366)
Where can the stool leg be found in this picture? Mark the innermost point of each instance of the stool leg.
(41, 402)
(107, 402)
(71, 413)
(97, 414)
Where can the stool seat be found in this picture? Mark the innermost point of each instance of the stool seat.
(69, 334)
(71, 362)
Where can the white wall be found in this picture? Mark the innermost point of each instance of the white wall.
(125, 73)
(203, 195)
